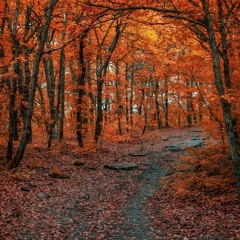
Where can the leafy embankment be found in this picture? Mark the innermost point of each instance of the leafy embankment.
(198, 201)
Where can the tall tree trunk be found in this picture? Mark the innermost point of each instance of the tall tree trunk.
(43, 111)
(145, 120)
(12, 89)
(13, 85)
(145, 108)
(27, 76)
(145, 103)
(126, 98)
(62, 101)
(166, 101)
(51, 86)
(36, 63)
(220, 88)
(90, 94)
(101, 73)
(62, 84)
(81, 93)
(189, 104)
(226, 70)
(131, 94)
(157, 105)
(179, 110)
(141, 100)
(200, 109)
(98, 126)
(118, 99)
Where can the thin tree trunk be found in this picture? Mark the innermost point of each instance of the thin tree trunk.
(51, 85)
(126, 98)
(26, 93)
(90, 94)
(189, 104)
(36, 64)
(157, 105)
(62, 101)
(101, 72)
(145, 104)
(179, 110)
(145, 120)
(13, 85)
(62, 82)
(12, 89)
(118, 98)
(98, 126)
(43, 112)
(141, 101)
(166, 101)
(81, 92)
(145, 108)
(131, 94)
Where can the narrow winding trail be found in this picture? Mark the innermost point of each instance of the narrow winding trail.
(135, 211)
(113, 193)
(95, 202)
(135, 223)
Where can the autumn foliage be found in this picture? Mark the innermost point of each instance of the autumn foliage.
(87, 71)
(204, 174)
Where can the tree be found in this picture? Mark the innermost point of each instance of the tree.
(133, 65)
(200, 17)
(37, 58)
(101, 69)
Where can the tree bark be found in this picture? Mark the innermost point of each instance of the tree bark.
(131, 94)
(226, 69)
(51, 86)
(189, 104)
(126, 98)
(62, 92)
(145, 108)
(220, 88)
(81, 80)
(101, 72)
(12, 117)
(157, 105)
(37, 58)
(13, 85)
(166, 101)
(118, 99)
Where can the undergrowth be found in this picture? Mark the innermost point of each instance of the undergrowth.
(203, 174)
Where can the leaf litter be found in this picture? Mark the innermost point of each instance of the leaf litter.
(90, 203)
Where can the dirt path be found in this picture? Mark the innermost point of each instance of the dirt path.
(95, 202)
(134, 222)
(135, 209)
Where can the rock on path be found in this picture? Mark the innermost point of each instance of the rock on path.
(121, 166)
(194, 142)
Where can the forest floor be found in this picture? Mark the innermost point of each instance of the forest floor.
(67, 194)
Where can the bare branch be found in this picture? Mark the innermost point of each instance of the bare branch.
(161, 10)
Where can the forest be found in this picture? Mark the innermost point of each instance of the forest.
(93, 83)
